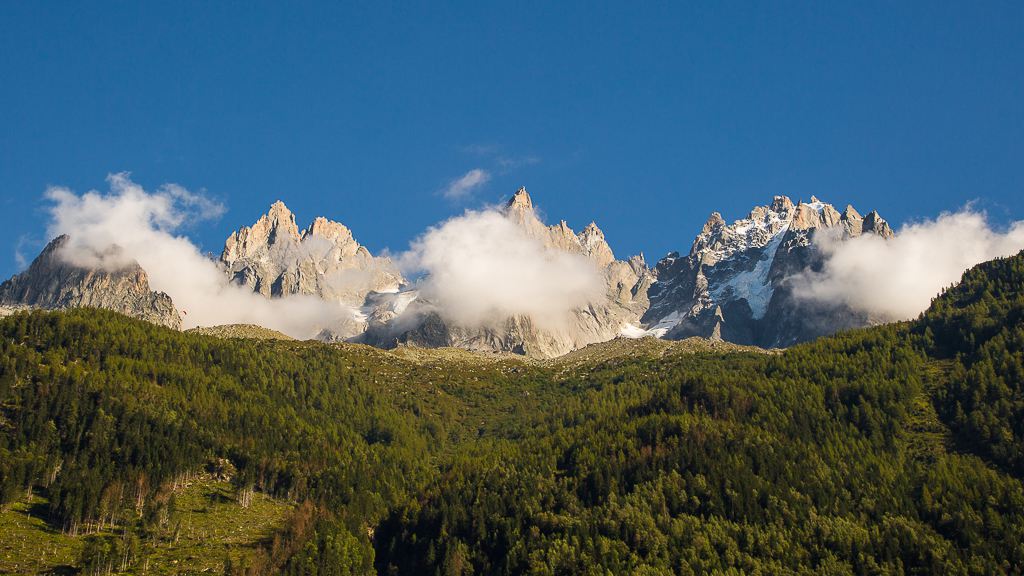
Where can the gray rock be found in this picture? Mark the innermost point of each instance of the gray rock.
(273, 258)
(52, 283)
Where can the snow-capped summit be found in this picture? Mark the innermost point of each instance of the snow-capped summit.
(732, 285)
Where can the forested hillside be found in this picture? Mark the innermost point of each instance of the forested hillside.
(979, 326)
(896, 449)
(828, 458)
(101, 413)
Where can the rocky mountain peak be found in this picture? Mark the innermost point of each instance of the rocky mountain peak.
(734, 281)
(713, 222)
(595, 246)
(275, 227)
(782, 204)
(805, 217)
(521, 200)
(54, 283)
(852, 221)
(273, 259)
(873, 222)
(591, 235)
(605, 316)
(590, 242)
(816, 214)
(638, 263)
(279, 210)
(279, 219)
(829, 216)
(329, 229)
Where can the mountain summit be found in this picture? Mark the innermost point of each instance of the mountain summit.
(734, 283)
(520, 200)
(273, 258)
(52, 281)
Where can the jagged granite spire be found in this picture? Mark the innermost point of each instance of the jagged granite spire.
(520, 200)
(275, 227)
(873, 222)
(274, 259)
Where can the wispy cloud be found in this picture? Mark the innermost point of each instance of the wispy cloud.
(507, 162)
(24, 242)
(480, 149)
(501, 160)
(464, 185)
(201, 207)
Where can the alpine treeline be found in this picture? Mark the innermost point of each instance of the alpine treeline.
(897, 449)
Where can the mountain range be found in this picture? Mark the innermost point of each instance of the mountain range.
(734, 284)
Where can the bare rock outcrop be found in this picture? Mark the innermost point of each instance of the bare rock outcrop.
(52, 282)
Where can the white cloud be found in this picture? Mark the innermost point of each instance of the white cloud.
(143, 224)
(481, 149)
(509, 162)
(461, 187)
(24, 241)
(896, 279)
(482, 267)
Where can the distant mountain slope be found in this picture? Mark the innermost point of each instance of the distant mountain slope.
(54, 283)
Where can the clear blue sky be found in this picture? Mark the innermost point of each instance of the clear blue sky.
(645, 120)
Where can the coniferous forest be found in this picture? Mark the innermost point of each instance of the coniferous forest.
(897, 449)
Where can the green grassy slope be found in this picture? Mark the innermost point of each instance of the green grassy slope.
(206, 528)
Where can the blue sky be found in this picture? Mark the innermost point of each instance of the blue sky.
(643, 119)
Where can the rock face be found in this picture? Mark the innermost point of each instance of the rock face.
(273, 258)
(733, 284)
(50, 282)
(407, 319)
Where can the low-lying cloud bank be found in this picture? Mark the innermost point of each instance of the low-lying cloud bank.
(144, 224)
(481, 267)
(896, 279)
